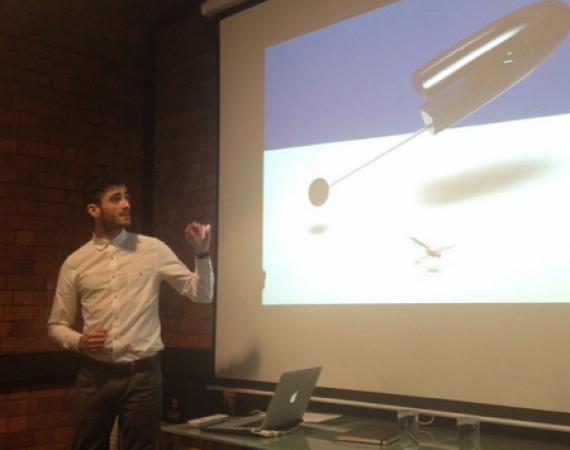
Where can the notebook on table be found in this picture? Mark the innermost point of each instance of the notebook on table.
(286, 408)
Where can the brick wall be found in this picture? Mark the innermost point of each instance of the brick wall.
(71, 99)
(185, 172)
(186, 164)
(35, 417)
(73, 95)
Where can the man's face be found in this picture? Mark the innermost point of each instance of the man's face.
(115, 208)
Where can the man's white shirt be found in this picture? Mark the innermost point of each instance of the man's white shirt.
(117, 284)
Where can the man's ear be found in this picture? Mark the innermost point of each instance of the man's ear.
(93, 210)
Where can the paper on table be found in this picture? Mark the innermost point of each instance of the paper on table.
(319, 417)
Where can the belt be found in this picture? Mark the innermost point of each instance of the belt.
(121, 369)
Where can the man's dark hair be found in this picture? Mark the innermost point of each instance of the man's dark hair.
(96, 185)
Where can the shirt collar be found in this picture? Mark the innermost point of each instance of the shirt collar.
(117, 241)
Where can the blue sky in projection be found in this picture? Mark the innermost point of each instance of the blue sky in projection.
(353, 80)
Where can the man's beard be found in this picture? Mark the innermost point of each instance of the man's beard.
(114, 223)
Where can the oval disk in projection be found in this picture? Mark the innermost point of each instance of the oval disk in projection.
(319, 192)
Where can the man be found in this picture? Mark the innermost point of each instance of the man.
(116, 278)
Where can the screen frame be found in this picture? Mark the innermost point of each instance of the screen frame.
(532, 417)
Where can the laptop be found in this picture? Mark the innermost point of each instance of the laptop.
(285, 411)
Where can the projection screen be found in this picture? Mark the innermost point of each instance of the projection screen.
(392, 200)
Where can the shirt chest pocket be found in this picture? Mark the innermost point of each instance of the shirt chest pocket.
(140, 286)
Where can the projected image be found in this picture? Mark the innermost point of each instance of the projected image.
(407, 165)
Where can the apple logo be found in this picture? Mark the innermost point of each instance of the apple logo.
(294, 397)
